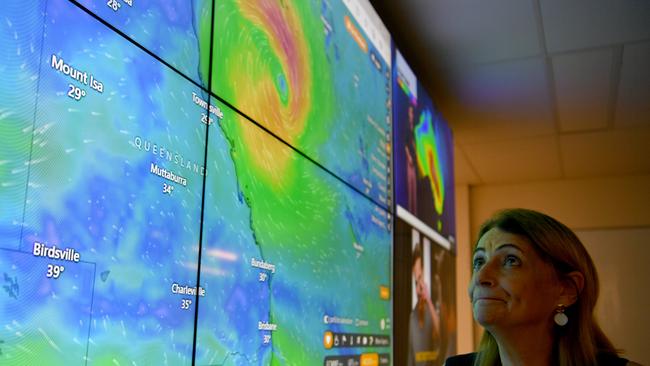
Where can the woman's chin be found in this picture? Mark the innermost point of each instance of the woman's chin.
(488, 315)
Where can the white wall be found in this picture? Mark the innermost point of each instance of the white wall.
(465, 335)
(580, 204)
(623, 309)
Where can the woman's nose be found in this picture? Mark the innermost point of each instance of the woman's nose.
(485, 275)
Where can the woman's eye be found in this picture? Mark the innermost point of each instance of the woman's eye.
(511, 260)
(477, 263)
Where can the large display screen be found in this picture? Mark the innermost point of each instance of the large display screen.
(112, 205)
(425, 298)
(318, 75)
(424, 175)
(149, 223)
(425, 325)
(295, 263)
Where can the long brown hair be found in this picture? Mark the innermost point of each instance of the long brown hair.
(578, 342)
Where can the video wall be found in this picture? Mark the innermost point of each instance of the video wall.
(206, 182)
(424, 230)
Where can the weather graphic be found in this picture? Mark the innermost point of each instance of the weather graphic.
(428, 157)
(423, 155)
(425, 226)
(170, 29)
(308, 72)
(123, 180)
(405, 88)
(281, 244)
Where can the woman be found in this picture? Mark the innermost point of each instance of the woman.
(534, 289)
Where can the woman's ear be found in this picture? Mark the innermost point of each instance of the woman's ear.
(572, 285)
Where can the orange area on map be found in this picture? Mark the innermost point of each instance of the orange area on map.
(356, 35)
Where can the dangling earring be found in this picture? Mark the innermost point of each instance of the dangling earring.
(560, 317)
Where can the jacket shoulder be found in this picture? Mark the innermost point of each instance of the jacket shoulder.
(607, 359)
(461, 360)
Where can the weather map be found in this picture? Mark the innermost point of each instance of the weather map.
(106, 147)
(423, 156)
(126, 181)
(425, 226)
(20, 37)
(283, 242)
(427, 151)
(318, 75)
(170, 29)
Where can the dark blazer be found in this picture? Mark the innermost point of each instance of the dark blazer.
(461, 360)
(604, 359)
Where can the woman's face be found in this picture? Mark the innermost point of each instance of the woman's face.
(418, 276)
(511, 285)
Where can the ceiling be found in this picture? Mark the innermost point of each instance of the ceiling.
(534, 90)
